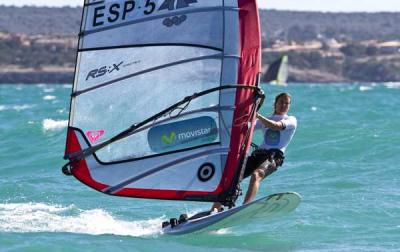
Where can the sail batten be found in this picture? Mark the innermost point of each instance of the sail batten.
(156, 111)
(149, 45)
(215, 56)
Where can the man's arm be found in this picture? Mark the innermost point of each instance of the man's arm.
(270, 123)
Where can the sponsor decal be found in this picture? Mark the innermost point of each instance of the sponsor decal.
(94, 135)
(170, 139)
(272, 137)
(98, 72)
(206, 172)
(177, 20)
(105, 70)
(183, 134)
(176, 4)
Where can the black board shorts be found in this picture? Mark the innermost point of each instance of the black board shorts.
(268, 160)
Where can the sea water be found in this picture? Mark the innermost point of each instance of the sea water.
(344, 160)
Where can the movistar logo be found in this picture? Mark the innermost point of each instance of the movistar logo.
(194, 133)
(183, 134)
(176, 4)
(168, 139)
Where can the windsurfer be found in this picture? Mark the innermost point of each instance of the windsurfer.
(278, 131)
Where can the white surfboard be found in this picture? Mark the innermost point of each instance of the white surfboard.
(265, 208)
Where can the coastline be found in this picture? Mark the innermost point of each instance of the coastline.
(67, 76)
(321, 47)
(37, 77)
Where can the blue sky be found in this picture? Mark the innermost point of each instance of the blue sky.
(312, 5)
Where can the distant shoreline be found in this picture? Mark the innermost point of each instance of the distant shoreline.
(37, 77)
(321, 47)
(62, 78)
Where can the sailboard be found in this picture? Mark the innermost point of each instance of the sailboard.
(277, 72)
(263, 209)
(164, 97)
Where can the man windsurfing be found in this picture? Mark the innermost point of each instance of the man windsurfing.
(278, 131)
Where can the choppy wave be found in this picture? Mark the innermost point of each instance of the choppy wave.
(48, 90)
(392, 85)
(49, 97)
(50, 124)
(16, 107)
(365, 88)
(40, 217)
(344, 165)
(62, 111)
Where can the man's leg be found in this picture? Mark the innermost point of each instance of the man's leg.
(264, 170)
(255, 180)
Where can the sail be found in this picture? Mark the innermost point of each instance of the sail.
(277, 72)
(164, 97)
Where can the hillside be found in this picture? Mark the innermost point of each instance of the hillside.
(39, 44)
(306, 26)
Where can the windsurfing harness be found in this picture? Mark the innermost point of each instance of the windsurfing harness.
(154, 109)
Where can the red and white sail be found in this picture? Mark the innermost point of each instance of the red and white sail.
(137, 58)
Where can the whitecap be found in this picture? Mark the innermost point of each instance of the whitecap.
(314, 108)
(48, 90)
(40, 217)
(49, 97)
(22, 107)
(392, 85)
(222, 231)
(50, 124)
(3, 107)
(365, 88)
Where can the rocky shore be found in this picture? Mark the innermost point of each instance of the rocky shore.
(51, 59)
(321, 47)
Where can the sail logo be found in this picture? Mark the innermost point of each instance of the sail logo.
(94, 135)
(98, 72)
(195, 133)
(176, 4)
(183, 134)
(168, 139)
(169, 22)
(173, 5)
